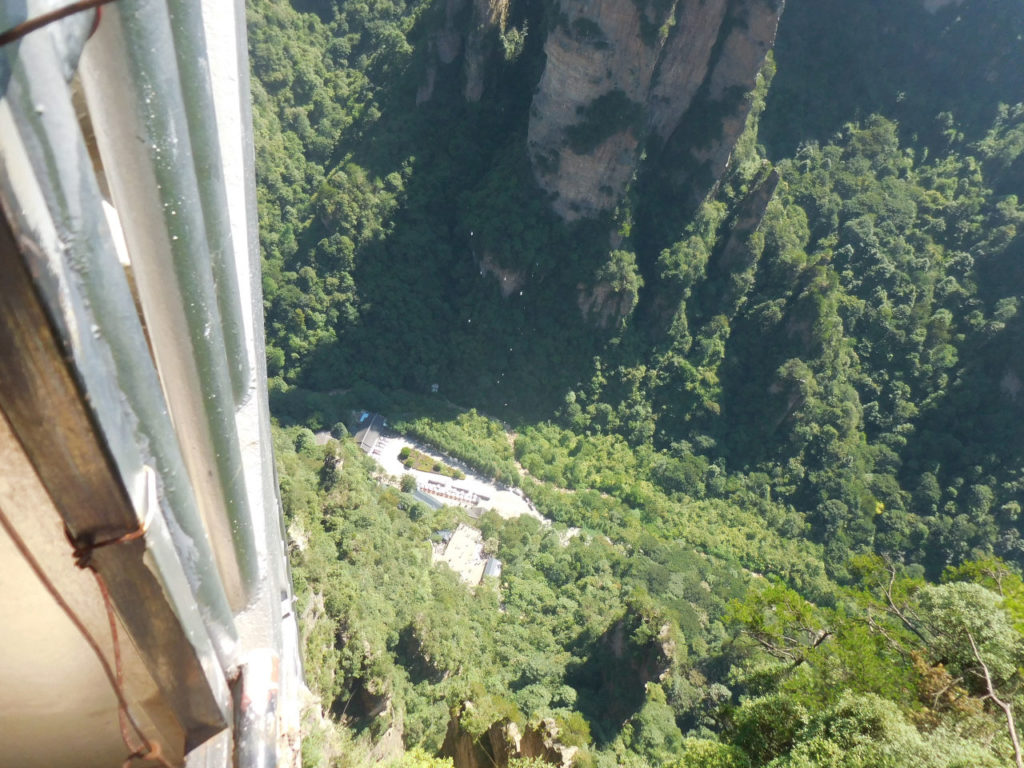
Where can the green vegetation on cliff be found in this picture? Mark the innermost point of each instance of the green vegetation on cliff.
(788, 423)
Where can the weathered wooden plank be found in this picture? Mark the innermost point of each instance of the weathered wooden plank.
(46, 409)
(50, 415)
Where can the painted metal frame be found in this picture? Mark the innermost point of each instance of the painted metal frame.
(157, 422)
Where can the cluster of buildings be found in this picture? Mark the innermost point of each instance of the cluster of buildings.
(451, 492)
(461, 549)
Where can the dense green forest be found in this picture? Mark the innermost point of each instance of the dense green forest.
(790, 432)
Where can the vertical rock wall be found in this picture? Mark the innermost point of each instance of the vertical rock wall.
(624, 73)
(589, 113)
(469, 29)
(488, 16)
(705, 135)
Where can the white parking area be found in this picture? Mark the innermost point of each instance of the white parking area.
(472, 491)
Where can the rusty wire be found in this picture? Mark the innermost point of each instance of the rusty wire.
(31, 25)
(149, 750)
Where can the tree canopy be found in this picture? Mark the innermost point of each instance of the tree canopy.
(779, 437)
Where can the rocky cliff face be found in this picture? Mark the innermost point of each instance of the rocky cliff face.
(622, 76)
(487, 16)
(470, 28)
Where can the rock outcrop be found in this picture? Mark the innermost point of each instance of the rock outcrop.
(502, 741)
(510, 281)
(625, 75)
(603, 305)
(611, 298)
(470, 28)
(736, 255)
(612, 682)
(706, 134)
(488, 16)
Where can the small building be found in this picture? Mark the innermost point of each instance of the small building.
(430, 501)
(493, 568)
(368, 429)
(463, 552)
